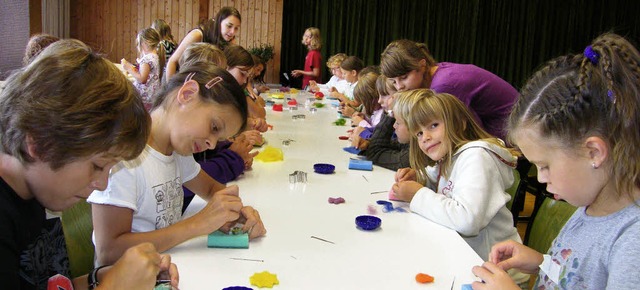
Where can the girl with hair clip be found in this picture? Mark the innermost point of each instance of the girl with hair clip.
(489, 98)
(459, 173)
(229, 159)
(577, 120)
(197, 107)
(66, 118)
(385, 148)
(336, 83)
(166, 38)
(312, 62)
(219, 31)
(148, 72)
(240, 64)
(350, 68)
(366, 94)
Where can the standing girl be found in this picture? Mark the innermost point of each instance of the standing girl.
(459, 173)
(577, 120)
(166, 38)
(312, 62)
(219, 31)
(489, 98)
(143, 202)
(149, 71)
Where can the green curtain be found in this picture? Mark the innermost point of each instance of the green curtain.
(510, 38)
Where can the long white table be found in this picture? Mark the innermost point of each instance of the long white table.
(387, 258)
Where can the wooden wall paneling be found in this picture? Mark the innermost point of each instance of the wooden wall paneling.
(188, 14)
(121, 39)
(203, 10)
(126, 28)
(154, 12)
(175, 21)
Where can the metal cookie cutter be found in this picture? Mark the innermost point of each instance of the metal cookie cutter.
(298, 116)
(298, 177)
(286, 142)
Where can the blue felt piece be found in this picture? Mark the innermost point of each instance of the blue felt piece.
(360, 164)
(219, 239)
(352, 150)
(466, 287)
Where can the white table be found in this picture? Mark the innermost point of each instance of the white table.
(388, 258)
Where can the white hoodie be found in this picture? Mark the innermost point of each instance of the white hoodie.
(472, 200)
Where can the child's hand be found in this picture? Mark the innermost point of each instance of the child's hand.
(126, 65)
(363, 144)
(252, 223)
(493, 277)
(405, 190)
(347, 111)
(253, 137)
(356, 118)
(138, 268)
(296, 73)
(332, 89)
(511, 254)
(355, 136)
(336, 95)
(223, 207)
(258, 124)
(243, 147)
(406, 174)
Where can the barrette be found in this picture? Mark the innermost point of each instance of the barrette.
(213, 82)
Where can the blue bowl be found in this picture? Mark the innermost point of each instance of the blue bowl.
(323, 168)
(368, 222)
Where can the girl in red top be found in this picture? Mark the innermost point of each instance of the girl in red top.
(312, 62)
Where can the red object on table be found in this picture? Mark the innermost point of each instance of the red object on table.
(277, 107)
(343, 137)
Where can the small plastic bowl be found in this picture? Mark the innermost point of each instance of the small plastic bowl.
(324, 168)
(368, 222)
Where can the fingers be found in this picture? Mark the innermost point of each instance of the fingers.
(174, 274)
(253, 223)
(230, 190)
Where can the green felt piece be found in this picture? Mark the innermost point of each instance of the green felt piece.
(219, 239)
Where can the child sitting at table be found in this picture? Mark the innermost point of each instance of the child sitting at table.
(459, 173)
(577, 120)
(143, 202)
(336, 83)
(166, 37)
(366, 94)
(350, 68)
(149, 69)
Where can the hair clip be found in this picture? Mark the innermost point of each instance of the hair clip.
(612, 96)
(189, 77)
(213, 82)
(591, 54)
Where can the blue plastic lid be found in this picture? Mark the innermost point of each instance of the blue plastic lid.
(368, 222)
(237, 288)
(324, 168)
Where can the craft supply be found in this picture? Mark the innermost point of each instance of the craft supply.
(352, 150)
(368, 223)
(424, 278)
(365, 178)
(321, 239)
(372, 210)
(339, 122)
(237, 288)
(343, 137)
(360, 164)
(219, 239)
(324, 168)
(270, 154)
(466, 287)
(277, 107)
(337, 200)
(298, 177)
(250, 260)
(264, 279)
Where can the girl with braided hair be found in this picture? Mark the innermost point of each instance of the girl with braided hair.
(577, 120)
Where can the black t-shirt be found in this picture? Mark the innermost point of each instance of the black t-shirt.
(32, 248)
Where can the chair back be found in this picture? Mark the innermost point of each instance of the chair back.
(77, 227)
(546, 223)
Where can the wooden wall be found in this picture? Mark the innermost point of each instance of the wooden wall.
(110, 26)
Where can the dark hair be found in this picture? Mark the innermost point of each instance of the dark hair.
(212, 27)
(225, 92)
(256, 61)
(574, 97)
(369, 69)
(352, 63)
(72, 103)
(163, 29)
(238, 56)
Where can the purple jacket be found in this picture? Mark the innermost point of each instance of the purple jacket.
(221, 164)
(488, 97)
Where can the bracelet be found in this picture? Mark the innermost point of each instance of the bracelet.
(92, 278)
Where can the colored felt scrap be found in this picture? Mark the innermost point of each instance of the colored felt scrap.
(424, 278)
(270, 154)
(219, 239)
(337, 200)
(264, 279)
(360, 164)
(352, 150)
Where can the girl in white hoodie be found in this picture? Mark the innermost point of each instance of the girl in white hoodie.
(459, 173)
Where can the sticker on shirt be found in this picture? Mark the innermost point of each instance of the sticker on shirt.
(552, 268)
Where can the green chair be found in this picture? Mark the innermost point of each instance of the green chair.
(77, 227)
(547, 221)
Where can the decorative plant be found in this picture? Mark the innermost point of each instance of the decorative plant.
(264, 51)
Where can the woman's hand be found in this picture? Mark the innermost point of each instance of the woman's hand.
(406, 190)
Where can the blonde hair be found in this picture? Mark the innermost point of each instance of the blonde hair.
(574, 97)
(316, 39)
(336, 59)
(423, 106)
(402, 56)
(202, 51)
(151, 38)
(365, 92)
(71, 103)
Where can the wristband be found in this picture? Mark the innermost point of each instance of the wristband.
(92, 278)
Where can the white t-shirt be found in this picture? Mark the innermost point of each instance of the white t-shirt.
(341, 85)
(150, 185)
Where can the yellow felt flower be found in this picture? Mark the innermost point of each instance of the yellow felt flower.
(264, 279)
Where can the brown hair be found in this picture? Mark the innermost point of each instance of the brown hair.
(365, 92)
(384, 86)
(163, 29)
(402, 56)
(237, 56)
(352, 63)
(574, 97)
(71, 103)
(37, 43)
(211, 29)
(202, 51)
(423, 106)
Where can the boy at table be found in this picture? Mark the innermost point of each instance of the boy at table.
(55, 150)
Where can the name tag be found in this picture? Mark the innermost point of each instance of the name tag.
(551, 268)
